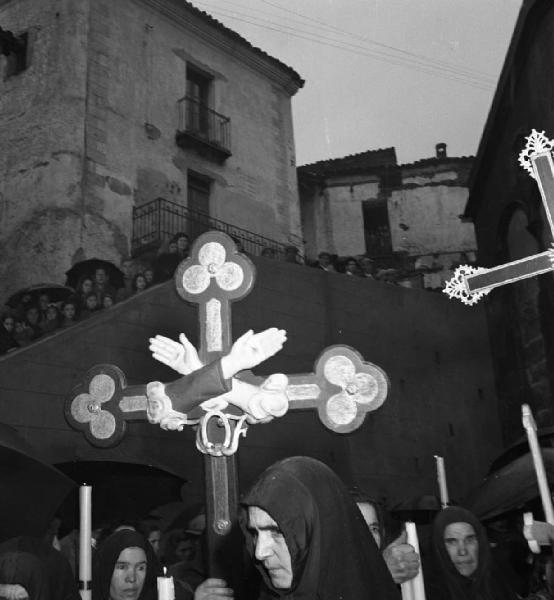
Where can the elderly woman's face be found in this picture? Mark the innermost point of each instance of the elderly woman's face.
(462, 546)
(128, 575)
(270, 547)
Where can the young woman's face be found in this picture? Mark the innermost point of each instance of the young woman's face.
(86, 286)
(108, 302)
(182, 243)
(128, 575)
(140, 283)
(33, 316)
(69, 311)
(91, 302)
(51, 313)
(9, 324)
(149, 275)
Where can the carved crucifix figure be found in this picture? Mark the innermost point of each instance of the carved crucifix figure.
(343, 387)
(470, 284)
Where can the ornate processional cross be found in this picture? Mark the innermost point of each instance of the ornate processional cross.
(343, 387)
(470, 284)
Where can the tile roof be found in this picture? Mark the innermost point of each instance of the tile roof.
(244, 42)
(370, 159)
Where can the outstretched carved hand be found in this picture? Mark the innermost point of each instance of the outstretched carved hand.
(251, 349)
(181, 357)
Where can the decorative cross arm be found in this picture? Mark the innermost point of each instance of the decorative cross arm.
(470, 284)
(343, 388)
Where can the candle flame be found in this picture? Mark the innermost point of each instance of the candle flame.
(165, 571)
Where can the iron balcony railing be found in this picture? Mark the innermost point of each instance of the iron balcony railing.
(155, 222)
(201, 122)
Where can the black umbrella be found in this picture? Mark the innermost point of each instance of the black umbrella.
(86, 268)
(510, 487)
(420, 510)
(31, 491)
(184, 518)
(55, 291)
(120, 490)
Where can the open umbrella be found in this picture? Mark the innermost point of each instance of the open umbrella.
(545, 435)
(30, 490)
(55, 291)
(510, 487)
(420, 510)
(87, 268)
(121, 490)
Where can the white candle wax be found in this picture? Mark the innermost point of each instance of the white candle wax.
(417, 582)
(441, 478)
(85, 546)
(166, 588)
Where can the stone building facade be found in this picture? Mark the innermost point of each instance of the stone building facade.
(406, 217)
(114, 105)
(510, 223)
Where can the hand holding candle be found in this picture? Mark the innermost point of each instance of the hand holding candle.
(413, 589)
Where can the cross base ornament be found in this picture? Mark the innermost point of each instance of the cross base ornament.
(470, 284)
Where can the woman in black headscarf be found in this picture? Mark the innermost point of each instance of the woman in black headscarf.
(125, 566)
(331, 554)
(464, 566)
(125, 563)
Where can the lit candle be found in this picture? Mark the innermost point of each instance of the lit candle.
(413, 589)
(85, 546)
(166, 588)
(441, 478)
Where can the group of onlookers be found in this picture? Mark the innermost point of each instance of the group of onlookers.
(37, 315)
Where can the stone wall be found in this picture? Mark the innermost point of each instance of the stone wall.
(42, 111)
(435, 352)
(89, 131)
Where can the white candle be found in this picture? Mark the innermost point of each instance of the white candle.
(531, 429)
(441, 478)
(85, 546)
(418, 589)
(166, 588)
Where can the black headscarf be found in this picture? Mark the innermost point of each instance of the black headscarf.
(485, 583)
(57, 572)
(106, 556)
(333, 554)
(26, 570)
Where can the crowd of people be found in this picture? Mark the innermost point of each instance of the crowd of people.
(36, 314)
(305, 535)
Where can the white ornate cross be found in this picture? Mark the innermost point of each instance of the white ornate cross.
(343, 387)
(470, 284)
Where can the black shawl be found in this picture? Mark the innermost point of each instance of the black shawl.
(485, 584)
(106, 556)
(333, 554)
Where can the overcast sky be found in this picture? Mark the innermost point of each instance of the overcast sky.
(380, 73)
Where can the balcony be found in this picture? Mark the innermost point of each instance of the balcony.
(204, 130)
(157, 221)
